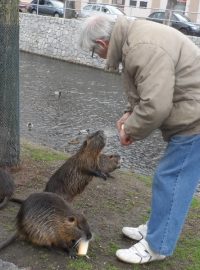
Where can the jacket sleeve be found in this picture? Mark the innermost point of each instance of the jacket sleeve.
(152, 72)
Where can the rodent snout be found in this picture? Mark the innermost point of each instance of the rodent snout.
(88, 236)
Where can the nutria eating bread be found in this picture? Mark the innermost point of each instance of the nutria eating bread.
(109, 163)
(73, 176)
(45, 219)
(7, 187)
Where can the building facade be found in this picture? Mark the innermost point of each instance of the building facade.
(142, 8)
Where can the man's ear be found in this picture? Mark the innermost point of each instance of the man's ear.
(102, 43)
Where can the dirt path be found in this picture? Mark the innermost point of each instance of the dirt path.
(108, 205)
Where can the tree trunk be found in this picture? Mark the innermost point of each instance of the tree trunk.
(9, 83)
(168, 13)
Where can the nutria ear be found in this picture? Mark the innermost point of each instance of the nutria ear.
(71, 219)
(111, 156)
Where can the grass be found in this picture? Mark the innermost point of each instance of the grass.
(189, 249)
(112, 248)
(195, 203)
(41, 153)
(144, 178)
(111, 267)
(80, 264)
(187, 253)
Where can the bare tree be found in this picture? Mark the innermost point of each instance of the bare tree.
(169, 8)
(9, 83)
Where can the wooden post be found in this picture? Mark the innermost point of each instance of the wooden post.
(9, 83)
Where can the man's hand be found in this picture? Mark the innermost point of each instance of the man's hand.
(121, 121)
(124, 139)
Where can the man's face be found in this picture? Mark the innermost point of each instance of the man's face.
(102, 52)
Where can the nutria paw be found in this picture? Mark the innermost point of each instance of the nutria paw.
(73, 254)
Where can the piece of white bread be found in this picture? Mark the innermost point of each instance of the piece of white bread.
(83, 247)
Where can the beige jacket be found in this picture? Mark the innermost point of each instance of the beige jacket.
(161, 69)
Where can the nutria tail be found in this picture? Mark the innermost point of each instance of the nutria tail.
(4, 202)
(16, 200)
(7, 242)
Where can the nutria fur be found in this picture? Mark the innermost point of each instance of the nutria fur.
(109, 163)
(45, 219)
(7, 187)
(73, 176)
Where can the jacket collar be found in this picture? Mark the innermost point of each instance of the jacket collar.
(118, 37)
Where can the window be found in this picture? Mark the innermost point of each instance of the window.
(161, 15)
(49, 4)
(96, 7)
(133, 3)
(41, 2)
(87, 7)
(104, 9)
(143, 4)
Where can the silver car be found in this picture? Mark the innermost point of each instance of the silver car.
(47, 7)
(110, 10)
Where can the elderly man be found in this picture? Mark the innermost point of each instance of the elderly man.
(161, 73)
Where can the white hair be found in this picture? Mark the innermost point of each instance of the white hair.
(95, 27)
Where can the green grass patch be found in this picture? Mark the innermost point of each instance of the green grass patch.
(146, 179)
(188, 250)
(80, 264)
(40, 153)
(112, 248)
(111, 267)
(195, 203)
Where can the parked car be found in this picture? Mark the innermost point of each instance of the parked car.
(178, 21)
(91, 9)
(47, 7)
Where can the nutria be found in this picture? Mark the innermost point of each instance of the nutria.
(109, 163)
(45, 219)
(7, 187)
(73, 176)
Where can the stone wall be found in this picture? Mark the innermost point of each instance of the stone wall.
(54, 37)
(57, 38)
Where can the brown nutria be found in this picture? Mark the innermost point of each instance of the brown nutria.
(7, 187)
(109, 163)
(73, 176)
(45, 219)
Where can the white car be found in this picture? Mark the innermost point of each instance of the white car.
(92, 9)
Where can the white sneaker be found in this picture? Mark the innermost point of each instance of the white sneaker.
(135, 233)
(138, 254)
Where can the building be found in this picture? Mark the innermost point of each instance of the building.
(142, 8)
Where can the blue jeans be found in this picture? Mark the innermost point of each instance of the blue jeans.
(174, 184)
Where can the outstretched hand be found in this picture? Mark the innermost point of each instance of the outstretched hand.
(124, 139)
